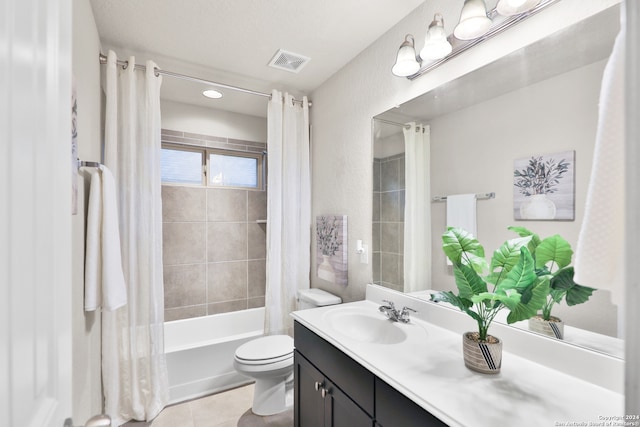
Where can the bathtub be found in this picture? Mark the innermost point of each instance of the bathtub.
(200, 350)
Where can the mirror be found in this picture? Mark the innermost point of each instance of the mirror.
(539, 100)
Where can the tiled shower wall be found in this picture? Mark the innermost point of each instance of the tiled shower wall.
(388, 222)
(214, 251)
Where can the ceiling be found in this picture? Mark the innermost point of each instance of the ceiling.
(232, 41)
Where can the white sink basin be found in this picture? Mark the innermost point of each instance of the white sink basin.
(364, 325)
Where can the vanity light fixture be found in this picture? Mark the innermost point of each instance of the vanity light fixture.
(212, 93)
(436, 45)
(475, 26)
(474, 21)
(406, 61)
(515, 7)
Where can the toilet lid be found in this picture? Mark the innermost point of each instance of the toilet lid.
(266, 348)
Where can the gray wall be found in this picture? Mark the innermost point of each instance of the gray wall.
(214, 250)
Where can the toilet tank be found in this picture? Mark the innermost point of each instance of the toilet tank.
(314, 297)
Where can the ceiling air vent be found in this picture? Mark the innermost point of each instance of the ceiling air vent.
(288, 61)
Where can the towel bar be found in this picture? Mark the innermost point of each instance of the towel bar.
(82, 163)
(481, 196)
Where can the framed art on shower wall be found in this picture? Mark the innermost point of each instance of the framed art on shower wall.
(331, 251)
(544, 187)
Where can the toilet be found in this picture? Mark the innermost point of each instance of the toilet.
(269, 360)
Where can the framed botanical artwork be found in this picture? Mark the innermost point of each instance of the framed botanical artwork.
(544, 187)
(331, 253)
(74, 149)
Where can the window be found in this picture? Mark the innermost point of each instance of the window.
(181, 166)
(211, 167)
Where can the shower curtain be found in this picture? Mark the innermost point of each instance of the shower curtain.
(288, 209)
(417, 209)
(134, 370)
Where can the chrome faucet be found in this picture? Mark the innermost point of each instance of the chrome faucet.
(393, 314)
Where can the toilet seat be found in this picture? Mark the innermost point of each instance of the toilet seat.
(265, 350)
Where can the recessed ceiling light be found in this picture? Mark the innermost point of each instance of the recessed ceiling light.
(212, 93)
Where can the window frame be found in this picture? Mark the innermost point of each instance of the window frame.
(205, 153)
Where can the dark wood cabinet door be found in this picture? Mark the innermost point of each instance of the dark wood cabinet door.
(308, 402)
(343, 411)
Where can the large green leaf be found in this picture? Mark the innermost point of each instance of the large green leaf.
(536, 297)
(523, 232)
(456, 242)
(553, 249)
(451, 298)
(479, 263)
(521, 275)
(508, 255)
(578, 294)
(510, 298)
(469, 283)
(563, 279)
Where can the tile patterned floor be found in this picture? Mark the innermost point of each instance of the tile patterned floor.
(231, 408)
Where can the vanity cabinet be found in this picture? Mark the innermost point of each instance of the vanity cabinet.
(320, 403)
(333, 390)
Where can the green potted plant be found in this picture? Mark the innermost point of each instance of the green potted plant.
(509, 282)
(552, 258)
(539, 178)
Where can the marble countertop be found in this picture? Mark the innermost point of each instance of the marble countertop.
(427, 367)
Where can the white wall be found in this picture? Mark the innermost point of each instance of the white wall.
(207, 121)
(344, 105)
(87, 385)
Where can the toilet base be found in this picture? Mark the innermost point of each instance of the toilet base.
(272, 395)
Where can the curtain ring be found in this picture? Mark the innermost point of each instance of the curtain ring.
(156, 71)
(125, 65)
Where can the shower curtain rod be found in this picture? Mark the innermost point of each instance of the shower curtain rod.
(402, 125)
(389, 122)
(158, 71)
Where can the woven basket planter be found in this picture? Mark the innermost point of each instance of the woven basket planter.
(484, 357)
(554, 327)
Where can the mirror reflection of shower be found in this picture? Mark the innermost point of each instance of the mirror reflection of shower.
(388, 204)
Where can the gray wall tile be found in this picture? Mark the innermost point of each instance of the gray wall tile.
(257, 205)
(180, 203)
(255, 302)
(226, 241)
(390, 206)
(389, 240)
(389, 175)
(184, 312)
(183, 243)
(256, 241)
(226, 281)
(226, 204)
(257, 277)
(184, 285)
(226, 307)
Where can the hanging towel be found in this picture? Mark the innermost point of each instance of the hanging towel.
(461, 212)
(104, 285)
(600, 249)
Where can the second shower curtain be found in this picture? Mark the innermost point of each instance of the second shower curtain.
(417, 210)
(288, 209)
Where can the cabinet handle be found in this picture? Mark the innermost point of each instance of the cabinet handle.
(318, 385)
(324, 392)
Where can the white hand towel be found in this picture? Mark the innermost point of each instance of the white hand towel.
(600, 249)
(461, 212)
(104, 280)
